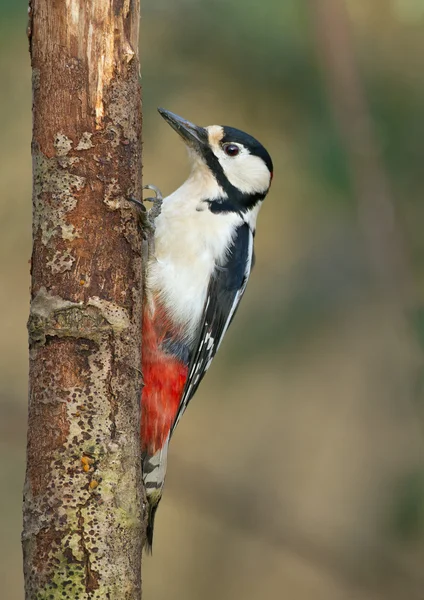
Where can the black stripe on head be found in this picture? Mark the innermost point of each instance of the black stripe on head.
(239, 137)
(236, 200)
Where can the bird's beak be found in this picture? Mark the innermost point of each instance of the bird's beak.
(195, 137)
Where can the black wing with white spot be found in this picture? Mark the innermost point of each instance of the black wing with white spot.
(225, 291)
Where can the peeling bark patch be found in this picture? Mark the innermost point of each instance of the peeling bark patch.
(54, 195)
(113, 195)
(120, 102)
(61, 262)
(44, 304)
(51, 316)
(62, 144)
(101, 71)
(85, 142)
(68, 232)
(114, 315)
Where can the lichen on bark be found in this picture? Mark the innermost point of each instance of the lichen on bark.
(83, 499)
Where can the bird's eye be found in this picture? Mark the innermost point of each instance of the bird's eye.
(231, 149)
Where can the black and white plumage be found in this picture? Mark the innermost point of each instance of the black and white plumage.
(226, 288)
(199, 265)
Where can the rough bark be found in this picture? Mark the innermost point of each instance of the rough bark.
(83, 501)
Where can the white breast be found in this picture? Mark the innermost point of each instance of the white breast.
(189, 241)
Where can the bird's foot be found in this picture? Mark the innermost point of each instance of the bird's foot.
(156, 200)
(147, 217)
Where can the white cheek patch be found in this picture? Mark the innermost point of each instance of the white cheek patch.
(246, 172)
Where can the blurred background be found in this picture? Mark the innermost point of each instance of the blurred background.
(298, 471)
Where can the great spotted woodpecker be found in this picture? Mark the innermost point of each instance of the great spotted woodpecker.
(199, 263)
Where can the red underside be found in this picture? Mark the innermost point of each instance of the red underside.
(164, 380)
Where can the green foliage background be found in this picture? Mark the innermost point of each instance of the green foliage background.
(298, 471)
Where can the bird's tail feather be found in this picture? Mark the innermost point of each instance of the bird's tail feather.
(154, 471)
(151, 512)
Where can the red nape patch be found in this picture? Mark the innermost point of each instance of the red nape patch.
(164, 381)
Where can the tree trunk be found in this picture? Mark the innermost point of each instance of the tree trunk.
(83, 500)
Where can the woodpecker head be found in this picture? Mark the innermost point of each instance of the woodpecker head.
(240, 165)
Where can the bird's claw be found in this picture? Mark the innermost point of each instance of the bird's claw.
(155, 189)
(157, 201)
(147, 217)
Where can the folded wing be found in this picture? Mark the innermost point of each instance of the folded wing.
(226, 288)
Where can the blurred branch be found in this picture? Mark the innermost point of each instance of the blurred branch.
(82, 534)
(334, 44)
